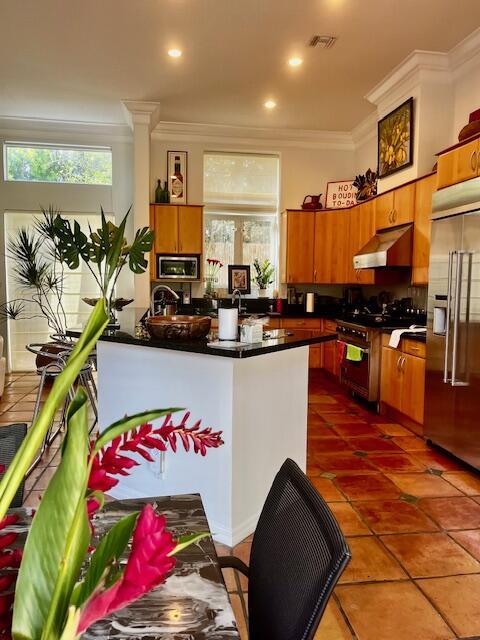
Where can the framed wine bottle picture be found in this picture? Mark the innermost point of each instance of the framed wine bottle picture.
(177, 176)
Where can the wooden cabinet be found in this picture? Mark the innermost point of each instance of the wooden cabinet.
(330, 355)
(458, 164)
(395, 207)
(308, 325)
(421, 231)
(178, 228)
(331, 250)
(402, 381)
(297, 243)
(361, 223)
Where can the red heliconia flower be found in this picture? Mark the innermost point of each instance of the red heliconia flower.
(147, 567)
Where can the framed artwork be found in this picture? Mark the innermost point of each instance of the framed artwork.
(395, 140)
(340, 194)
(239, 278)
(177, 176)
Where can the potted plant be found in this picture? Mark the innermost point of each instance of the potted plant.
(57, 585)
(264, 276)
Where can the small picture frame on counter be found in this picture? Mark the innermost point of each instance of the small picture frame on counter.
(239, 278)
(177, 176)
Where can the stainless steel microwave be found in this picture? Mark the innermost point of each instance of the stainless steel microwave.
(178, 267)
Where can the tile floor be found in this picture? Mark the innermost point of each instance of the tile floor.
(411, 515)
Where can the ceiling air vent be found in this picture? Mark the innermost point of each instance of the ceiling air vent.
(324, 42)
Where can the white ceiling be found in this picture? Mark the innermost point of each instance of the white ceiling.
(76, 59)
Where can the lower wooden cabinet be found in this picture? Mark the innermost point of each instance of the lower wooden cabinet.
(298, 325)
(402, 385)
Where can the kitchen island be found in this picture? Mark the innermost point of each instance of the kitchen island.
(256, 394)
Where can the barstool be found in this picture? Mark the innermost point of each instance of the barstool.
(55, 363)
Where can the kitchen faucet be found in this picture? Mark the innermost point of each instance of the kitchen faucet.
(160, 287)
(236, 292)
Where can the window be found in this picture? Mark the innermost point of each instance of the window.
(57, 164)
(241, 209)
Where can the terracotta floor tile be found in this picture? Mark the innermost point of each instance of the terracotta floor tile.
(239, 616)
(392, 429)
(342, 418)
(395, 462)
(33, 499)
(470, 540)
(429, 555)
(370, 562)
(452, 513)
(423, 485)
(315, 420)
(391, 611)
(367, 487)
(466, 481)
(350, 522)
(321, 398)
(329, 445)
(327, 490)
(342, 463)
(457, 598)
(320, 432)
(332, 625)
(16, 416)
(374, 444)
(355, 430)
(435, 460)
(411, 443)
(394, 516)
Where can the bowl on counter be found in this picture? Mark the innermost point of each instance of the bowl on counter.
(178, 327)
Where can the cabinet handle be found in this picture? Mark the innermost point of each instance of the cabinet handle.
(398, 362)
(394, 215)
(474, 160)
(402, 366)
(315, 275)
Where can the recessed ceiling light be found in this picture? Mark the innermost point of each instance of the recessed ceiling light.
(174, 53)
(295, 61)
(270, 104)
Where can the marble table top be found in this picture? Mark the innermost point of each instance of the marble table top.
(193, 603)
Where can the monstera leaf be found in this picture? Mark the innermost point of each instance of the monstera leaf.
(141, 245)
(72, 243)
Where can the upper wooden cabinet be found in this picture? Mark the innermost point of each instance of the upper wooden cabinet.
(395, 207)
(361, 223)
(459, 164)
(178, 228)
(297, 245)
(421, 231)
(331, 247)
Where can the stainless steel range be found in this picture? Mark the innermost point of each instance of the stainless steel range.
(364, 330)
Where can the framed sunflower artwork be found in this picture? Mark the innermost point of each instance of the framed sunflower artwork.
(395, 140)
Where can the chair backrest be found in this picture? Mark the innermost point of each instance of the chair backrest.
(298, 554)
(11, 437)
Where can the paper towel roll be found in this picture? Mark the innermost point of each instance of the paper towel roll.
(310, 306)
(228, 324)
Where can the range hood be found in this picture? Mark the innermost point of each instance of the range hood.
(389, 248)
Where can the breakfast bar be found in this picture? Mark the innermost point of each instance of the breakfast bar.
(256, 394)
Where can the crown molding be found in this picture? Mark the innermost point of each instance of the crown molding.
(465, 50)
(141, 112)
(20, 126)
(227, 134)
(365, 130)
(433, 65)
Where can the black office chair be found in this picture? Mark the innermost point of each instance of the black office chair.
(11, 437)
(298, 554)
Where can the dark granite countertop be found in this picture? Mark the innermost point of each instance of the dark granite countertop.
(130, 318)
(419, 337)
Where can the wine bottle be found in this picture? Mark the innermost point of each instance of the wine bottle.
(166, 193)
(177, 180)
(159, 192)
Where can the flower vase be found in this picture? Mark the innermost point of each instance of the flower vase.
(262, 293)
(209, 287)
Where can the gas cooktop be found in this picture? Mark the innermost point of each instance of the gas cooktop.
(383, 320)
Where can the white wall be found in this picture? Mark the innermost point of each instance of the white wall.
(466, 92)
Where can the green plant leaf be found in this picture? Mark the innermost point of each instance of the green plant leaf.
(115, 249)
(71, 244)
(186, 541)
(141, 245)
(58, 538)
(108, 552)
(130, 422)
(29, 447)
(71, 626)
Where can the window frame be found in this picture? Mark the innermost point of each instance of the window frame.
(54, 146)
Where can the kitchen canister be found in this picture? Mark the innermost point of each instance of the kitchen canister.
(228, 324)
(310, 303)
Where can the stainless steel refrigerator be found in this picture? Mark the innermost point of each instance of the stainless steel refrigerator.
(452, 394)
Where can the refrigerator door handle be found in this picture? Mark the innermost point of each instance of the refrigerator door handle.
(456, 320)
(446, 378)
